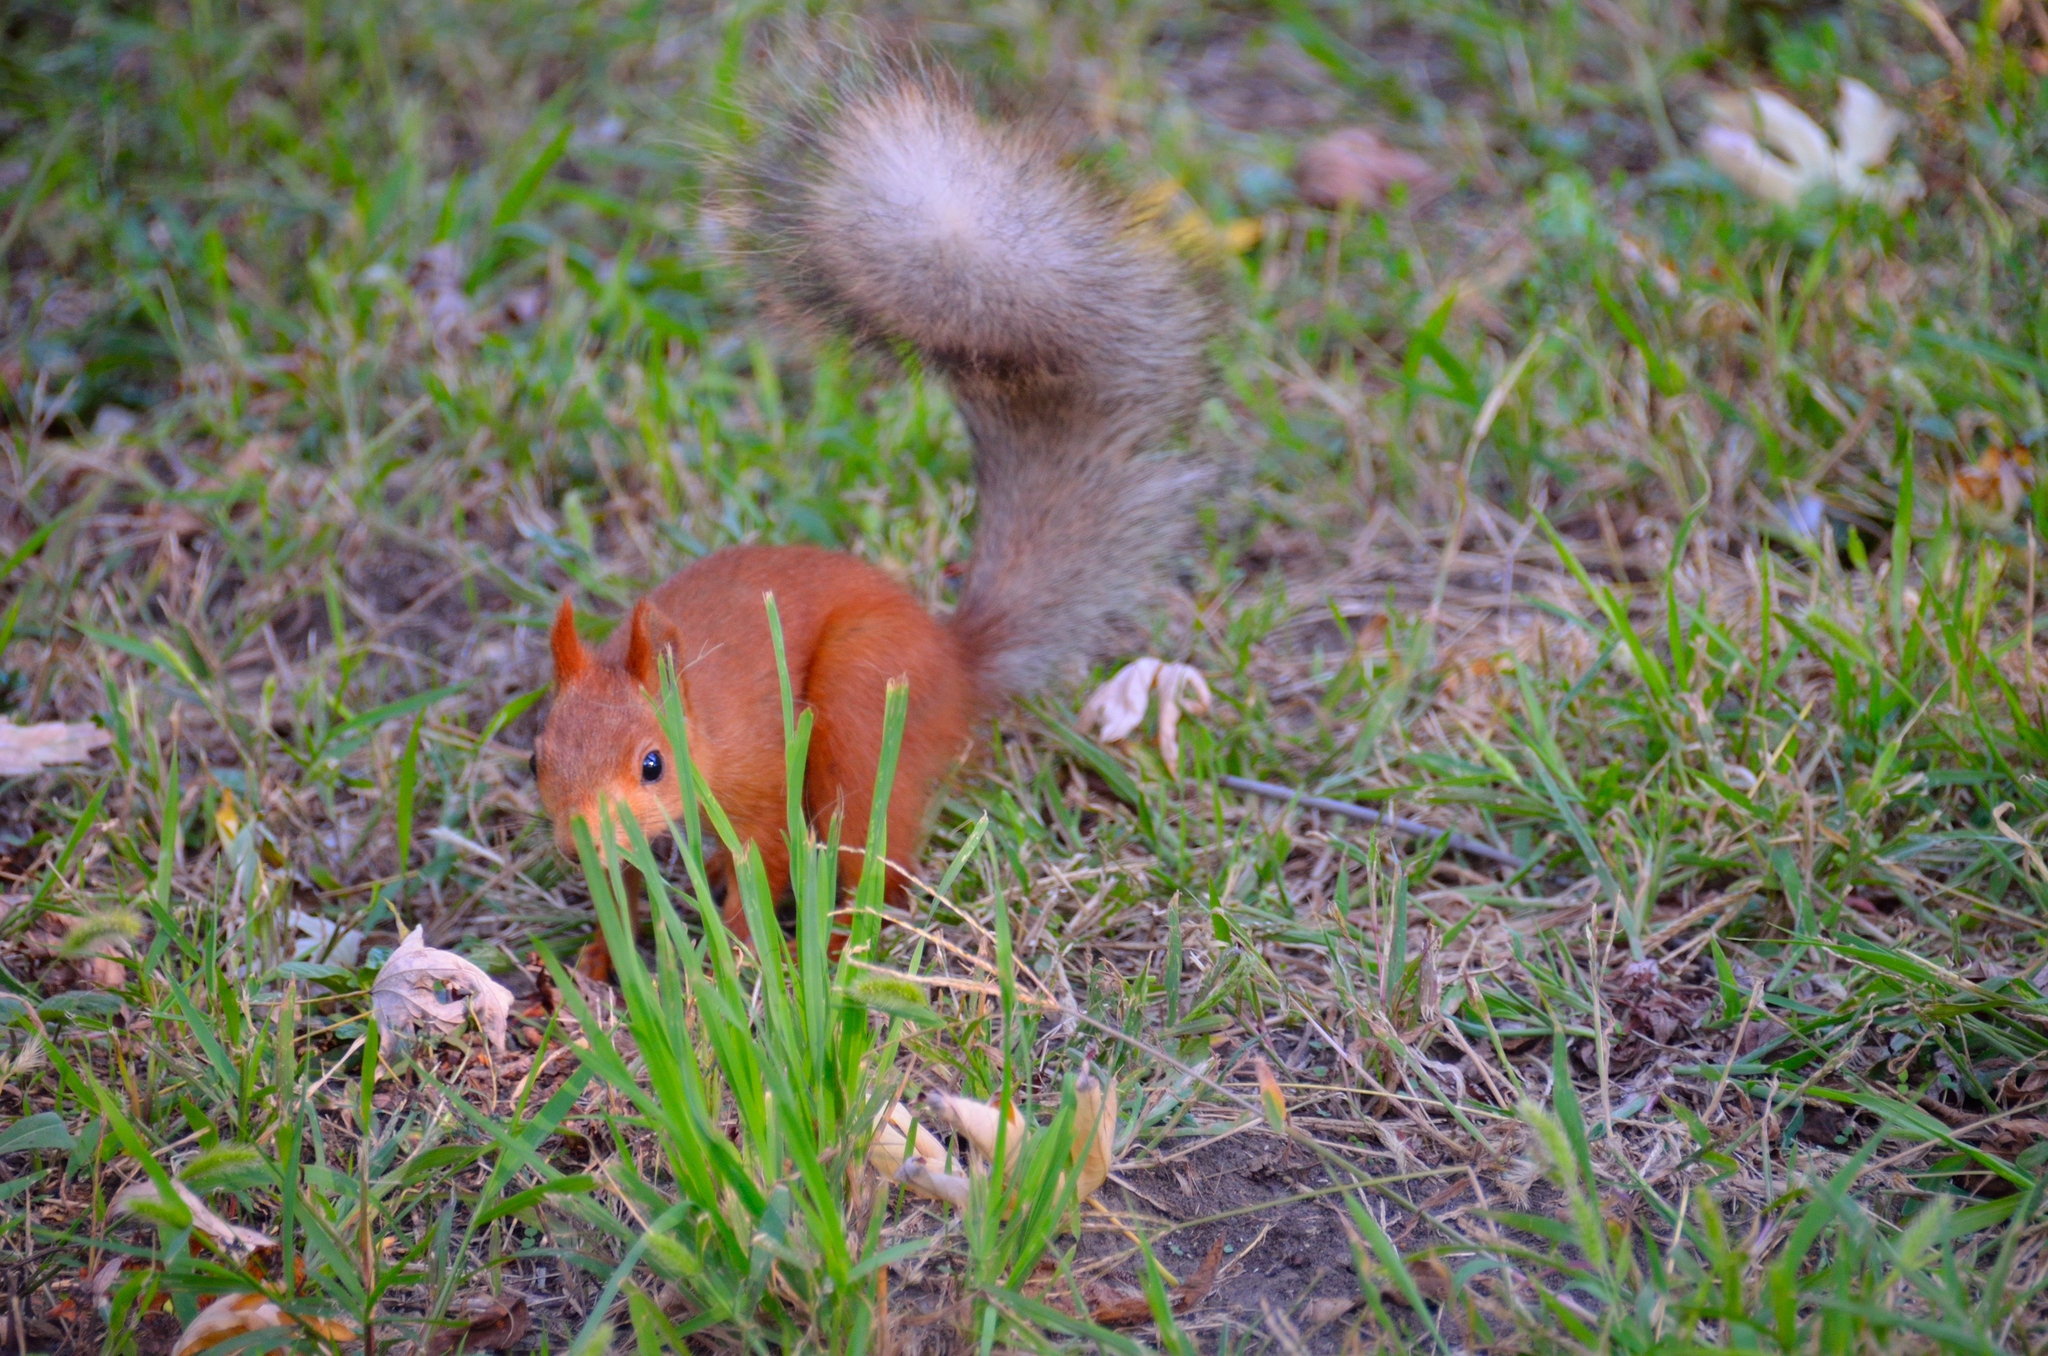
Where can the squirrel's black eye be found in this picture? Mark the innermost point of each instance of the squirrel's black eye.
(533, 762)
(650, 766)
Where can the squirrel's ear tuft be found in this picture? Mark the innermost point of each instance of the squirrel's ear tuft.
(640, 651)
(572, 659)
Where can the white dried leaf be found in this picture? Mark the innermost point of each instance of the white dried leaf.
(1766, 144)
(1865, 126)
(321, 940)
(403, 997)
(1117, 707)
(143, 1198)
(1181, 688)
(31, 748)
(1741, 158)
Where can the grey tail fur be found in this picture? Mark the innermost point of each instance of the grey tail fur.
(1072, 342)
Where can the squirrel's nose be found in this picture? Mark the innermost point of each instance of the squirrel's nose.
(565, 832)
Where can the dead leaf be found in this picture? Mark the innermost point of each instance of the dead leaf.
(1768, 146)
(1129, 1308)
(480, 1323)
(1354, 166)
(108, 1277)
(234, 1315)
(1996, 485)
(899, 1138)
(1318, 1312)
(2013, 1138)
(1431, 1277)
(402, 997)
(1094, 1133)
(31, 748)
(1117, 708)
(321, 940)
(919, 1175)
(144, 1199)
(976, 1122)
(1271, 1094)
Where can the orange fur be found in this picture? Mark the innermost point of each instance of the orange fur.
(848, 630)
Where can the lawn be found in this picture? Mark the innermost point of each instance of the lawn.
(1677, 546)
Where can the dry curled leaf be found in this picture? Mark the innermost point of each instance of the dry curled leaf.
(318, 939)
(931, 1172)
(1995, 485)
(900, 1139)
(31, 748)
(480, 1323)
(1094, 1133)
(403, 996)
(1768, 145)
(144, 1199)
(976, 1122)
(1117, 707)
(918, 1175)
(234, 1315)
(1354, 166)
(1318, 1312)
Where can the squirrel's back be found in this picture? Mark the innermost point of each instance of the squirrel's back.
(1071, 339)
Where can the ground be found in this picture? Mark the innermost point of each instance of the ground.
(1678, 544)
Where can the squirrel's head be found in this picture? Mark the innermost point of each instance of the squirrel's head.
(601, 741)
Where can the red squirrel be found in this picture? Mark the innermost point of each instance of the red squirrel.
(1072, 342)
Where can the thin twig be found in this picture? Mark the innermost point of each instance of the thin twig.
(1457, 842)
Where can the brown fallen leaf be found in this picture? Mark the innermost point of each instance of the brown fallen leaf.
(2015, 1137)
(1432, 1281)
(1354, 166)
(31, 748)
(1995, 485)
(1329, 1309)
(1183, 1297)
(144, 1199)
(480, 1323)
(403, 996)
(234, 1315)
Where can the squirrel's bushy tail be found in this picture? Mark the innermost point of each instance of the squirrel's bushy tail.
(1072, 342)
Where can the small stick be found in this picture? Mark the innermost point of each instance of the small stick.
(1457, 842)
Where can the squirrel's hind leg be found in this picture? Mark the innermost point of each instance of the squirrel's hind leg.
(848, 692)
